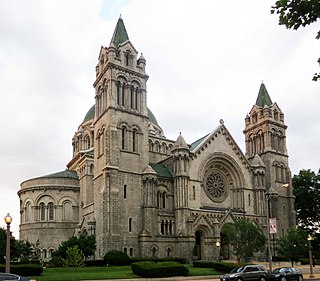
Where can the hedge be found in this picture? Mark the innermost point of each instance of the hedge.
(222, 267)
(149, 269)
(24, 269)
(179, 260)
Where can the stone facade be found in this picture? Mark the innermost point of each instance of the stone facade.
(144, 194)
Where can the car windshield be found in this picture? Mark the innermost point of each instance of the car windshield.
(237, 269)
(280, 270)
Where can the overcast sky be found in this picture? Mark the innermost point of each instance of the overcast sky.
(206, 60)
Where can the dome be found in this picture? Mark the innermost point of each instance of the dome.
(91, 113)
(152, 118)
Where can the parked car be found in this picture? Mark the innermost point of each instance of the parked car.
(286, 274)
(246, 273)
(9, 276)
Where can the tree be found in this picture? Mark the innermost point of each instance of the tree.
(75, 257)
(87, 245)
(296, 13)
(306, 189)
(293, 246)
(245, 238)
(18, 248)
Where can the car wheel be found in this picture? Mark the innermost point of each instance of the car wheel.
(238, 279)
(263, 278)
(300, 278)
(282, 278)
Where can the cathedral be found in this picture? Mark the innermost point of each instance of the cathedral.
(150, 196)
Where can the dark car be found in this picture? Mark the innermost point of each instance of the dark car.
(286, 274)
(246, 273)
(9, 276)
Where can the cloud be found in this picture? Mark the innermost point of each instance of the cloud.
(205, 60)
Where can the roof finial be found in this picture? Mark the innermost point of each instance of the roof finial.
(120, 16)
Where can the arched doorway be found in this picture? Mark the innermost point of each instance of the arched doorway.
(225, 250)
(198, 248)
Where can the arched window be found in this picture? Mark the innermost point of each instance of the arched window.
(50, 211)
(164, 197)
(118, 93)
(42, 209)
(131, 252)
(28, 212)
(123, 137)
(125, 249)
(134, 140)
(44, 253)
(67, 211)
(127, 58)
(86, 142)
(132, 97)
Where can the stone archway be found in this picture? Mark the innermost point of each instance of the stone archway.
(199, 245)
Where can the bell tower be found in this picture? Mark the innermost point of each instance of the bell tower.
(265, 136)
(121, 136)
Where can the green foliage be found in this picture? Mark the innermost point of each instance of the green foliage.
(18, 248)
(75, 257)
(24, 269)
(293, 246)
(154, 259)
(150, 269)
(294, 14)
(55, 262)
(306, 189)
(245, 238)
(87, 245)
(2, 245)
(115, 257)
(222, 267)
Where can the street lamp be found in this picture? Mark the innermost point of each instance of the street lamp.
(218, 244)
(8, 220)
(310, 256)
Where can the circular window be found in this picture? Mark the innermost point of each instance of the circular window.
(215, 187)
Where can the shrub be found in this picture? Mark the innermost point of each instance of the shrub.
(149, 269)
(55, 262)
(179, 260)
(117, 258)
(24, 269)
(225, 267)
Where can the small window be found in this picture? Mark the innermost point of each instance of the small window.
(125, 191)
(130, 224)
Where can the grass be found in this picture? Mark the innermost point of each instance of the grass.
(100, 273)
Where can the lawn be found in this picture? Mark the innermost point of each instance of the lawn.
(100, 273)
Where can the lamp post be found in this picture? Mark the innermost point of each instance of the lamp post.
(8, 220)
(218, 248)
(310, 256)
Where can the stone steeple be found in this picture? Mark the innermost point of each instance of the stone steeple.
(263, 97)
(120, 34)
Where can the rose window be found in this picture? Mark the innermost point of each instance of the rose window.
(215, 186)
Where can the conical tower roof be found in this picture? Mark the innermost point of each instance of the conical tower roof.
(120, 34)
(263, 97)
(180, 143)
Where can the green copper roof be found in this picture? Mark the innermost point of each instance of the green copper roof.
(263, 97)
(196, 143)
(161, 170)
(90, 114)
(152, 118)
(63, 174)
(120, 34)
